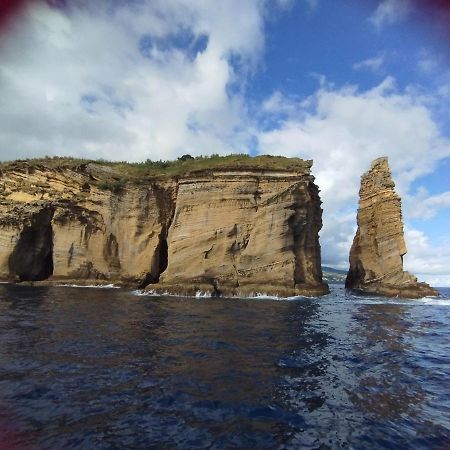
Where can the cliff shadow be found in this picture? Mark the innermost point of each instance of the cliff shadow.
(32, 258)
(166, 211)
(305, 224)
(159, 263)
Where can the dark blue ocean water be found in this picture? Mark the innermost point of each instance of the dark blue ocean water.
(85, 368)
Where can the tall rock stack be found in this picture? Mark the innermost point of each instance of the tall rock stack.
(376, 256)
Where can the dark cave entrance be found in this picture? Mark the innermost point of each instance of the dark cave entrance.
(163, 254)
(32, 258)
(159, 263)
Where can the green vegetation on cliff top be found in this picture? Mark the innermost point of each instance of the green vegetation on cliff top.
(114, 175)
(180, 167)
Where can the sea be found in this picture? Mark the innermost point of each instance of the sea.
(91, 368)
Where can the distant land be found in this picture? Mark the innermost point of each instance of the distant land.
(336, 276)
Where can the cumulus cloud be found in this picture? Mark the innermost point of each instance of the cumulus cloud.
(277, 104)
(428, 262)
(389, 12)
(425, 206)
(343, 130)
(128, 80)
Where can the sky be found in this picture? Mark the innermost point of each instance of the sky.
(341, 82)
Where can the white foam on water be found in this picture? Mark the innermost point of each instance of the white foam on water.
(430, 300)
(201, 294)
(264, 296)
(152, 293)
(92, 286)
(207, 295)
(435, 301)
(139, 293)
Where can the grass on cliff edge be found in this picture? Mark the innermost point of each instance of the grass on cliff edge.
(180, 167)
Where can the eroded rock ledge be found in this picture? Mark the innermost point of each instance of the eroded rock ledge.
(226, 231)
(376, 256)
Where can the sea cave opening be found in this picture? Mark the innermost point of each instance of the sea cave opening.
(163, 251)
(159, 263)
(32, 258)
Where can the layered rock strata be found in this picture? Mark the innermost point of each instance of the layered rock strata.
(376, 256)
(56, 223)
(246, 232)
(224, 232)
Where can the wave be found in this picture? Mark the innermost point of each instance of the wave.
(207, 295)
(435, 301)
(152, 293)
(92, 286)
(201, 294)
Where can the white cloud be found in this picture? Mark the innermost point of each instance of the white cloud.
(432, 66)
(374, 64)
(343, 130)
(277, 103)
(389, 12)
(129, 80)
(425, 206)
(428, 262)
(336, 237)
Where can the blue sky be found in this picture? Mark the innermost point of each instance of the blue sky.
(332, 37)
(340, 82)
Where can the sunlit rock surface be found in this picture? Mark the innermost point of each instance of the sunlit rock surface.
(246, 232)
(376, 256)
(224, 232)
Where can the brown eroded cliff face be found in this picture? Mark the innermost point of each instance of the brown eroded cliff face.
(376, 256)
(228, 231)
(55, 223)
(246, 232)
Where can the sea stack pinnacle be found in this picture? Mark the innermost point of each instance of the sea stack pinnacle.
(376, 256)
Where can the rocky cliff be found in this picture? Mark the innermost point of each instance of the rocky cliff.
(376, 256)
(225, 230)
